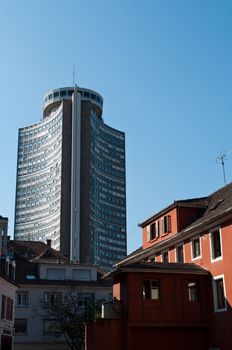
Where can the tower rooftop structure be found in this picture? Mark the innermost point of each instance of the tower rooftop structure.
(54, 97)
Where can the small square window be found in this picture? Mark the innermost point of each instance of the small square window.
(52, 299)
(151, 289)
(63, 93)
(50, 327)
(22, 299)
(20, 325)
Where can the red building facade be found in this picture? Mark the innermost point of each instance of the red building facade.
(161, 304)
(196, 231)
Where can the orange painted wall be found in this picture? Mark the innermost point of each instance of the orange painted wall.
(173, 214)
(180, 218)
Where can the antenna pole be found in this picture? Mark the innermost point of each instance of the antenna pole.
(223, 169)
(73, 74)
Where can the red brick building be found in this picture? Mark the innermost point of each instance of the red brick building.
(196, 231)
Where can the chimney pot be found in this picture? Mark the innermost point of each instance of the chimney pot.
(49, 242)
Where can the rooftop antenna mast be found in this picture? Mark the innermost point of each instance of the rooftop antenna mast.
(74, 71)
(221, 159)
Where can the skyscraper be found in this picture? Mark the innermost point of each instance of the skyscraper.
(70, 184)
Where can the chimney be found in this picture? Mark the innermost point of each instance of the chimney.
(49, 243)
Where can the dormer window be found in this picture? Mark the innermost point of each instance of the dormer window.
(166, 224)
(155, 230)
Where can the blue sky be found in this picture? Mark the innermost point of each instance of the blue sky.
(164, 70)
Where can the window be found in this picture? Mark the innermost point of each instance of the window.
(20, 326)
(7, 308)
(215, 244)
(151, 289)
(219, 294)
(55, 274)
(50, 327)
(3, 312)
(63, 93)
(82, 275)
(52, 299)
(180, 254)
(166, 224)
(193, 291)
(22, 299)
(152, 258)
(196, 248)
(165, 257)
(154, 229)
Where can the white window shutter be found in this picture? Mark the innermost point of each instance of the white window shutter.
(148, 233)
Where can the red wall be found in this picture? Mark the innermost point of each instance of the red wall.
(104, 335)
(220, 322)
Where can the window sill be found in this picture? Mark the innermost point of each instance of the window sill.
(153, 240)
(165, 234)
(197, 258)
(220, 310)
(21, 306)
(216, 259)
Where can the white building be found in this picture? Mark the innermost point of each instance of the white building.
(45, 278)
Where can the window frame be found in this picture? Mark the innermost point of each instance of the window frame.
(144, 286)
(26, 332)
(47, 304)
(162, 258)
(176, 254)
(212, 248)
(166, 224)
(27, 299)
(215, 293)
(192, 248)
(51, 332)
(190, 285)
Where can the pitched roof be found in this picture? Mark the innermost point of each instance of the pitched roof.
(35, 250)
(158, 267)
(201, 203)
(218, 206)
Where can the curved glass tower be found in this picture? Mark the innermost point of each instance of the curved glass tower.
(71, 179)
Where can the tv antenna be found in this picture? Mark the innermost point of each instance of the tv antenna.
(221, 159)
(74, 72)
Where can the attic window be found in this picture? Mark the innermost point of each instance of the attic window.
(216, 205)
(30, 277)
